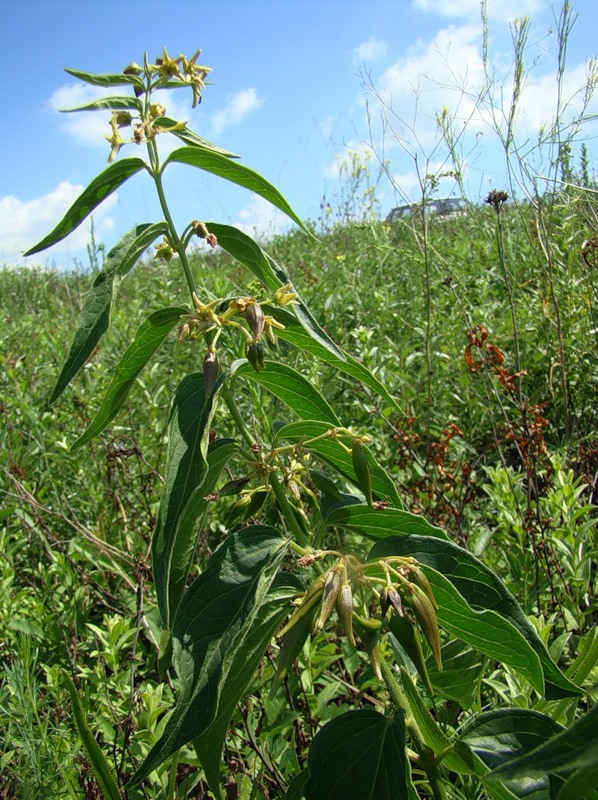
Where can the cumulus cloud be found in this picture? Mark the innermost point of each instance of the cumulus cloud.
(261, 219)
(236, 109)
(470, 9)
(370, 50)
(24, 223)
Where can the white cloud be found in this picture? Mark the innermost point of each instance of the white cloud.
(236, 109)
(86, 127)
(261, 219)
(24, 223)
(370, 50)
(470, 9)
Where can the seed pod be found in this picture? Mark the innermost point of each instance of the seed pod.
(362, 470)
(344, 609)
(308, 603)
(211, 368)
(324, 484)
(238, 510)
(255, 355)
(332, 587)
(372, 645)
(258, 498)
(425, 615)
(418, 577)
(255, 319)
(408, 637)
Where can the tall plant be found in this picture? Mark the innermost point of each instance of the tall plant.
(318, 538)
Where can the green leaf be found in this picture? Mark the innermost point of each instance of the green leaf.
(583, 783)
(98, 190)
(574, 748)
(295, 333)
(213, 625)
(461, 673)
(432, 733)
(118, 79)
(218, 164)
(190, 137)
(186, 469)
(333, 453)
(496, 737)
(382, 523)
(359, 755)
(147, 340)
(483, 592)
(291, 387)
(242, 672)
(109, 104)
(96, 757)
(95, 315)
(184, 540)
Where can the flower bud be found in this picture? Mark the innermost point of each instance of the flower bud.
(211, 368)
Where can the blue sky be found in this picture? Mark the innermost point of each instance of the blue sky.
(291, 88)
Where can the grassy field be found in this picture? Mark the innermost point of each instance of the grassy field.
(483, 327)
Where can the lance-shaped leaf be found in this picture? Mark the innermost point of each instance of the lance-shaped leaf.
(190, 137)
(97, 79)
(382, 523)
(147, 340)
(186, 469)
(333, 453)
(358, 755)
(96, 757)
(109, 104)
(497, 737)
(485, 594)
(95, 315)
(570, 749)
(214, 622)
(98, 190)
(291, 387)
(242, 672)
(218, 164)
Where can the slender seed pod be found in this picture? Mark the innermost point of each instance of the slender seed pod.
(211, 368)
(237, 510)
(332, 587)
(362, 470)
(258, 498)
(255, 355)
(408, 637)
(255, 319)
(324, 484)
(344, 609)
(310, 598)
(425, 615)
(418, 577)
(372, 645)
(233, 487)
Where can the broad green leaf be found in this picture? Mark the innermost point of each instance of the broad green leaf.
(213, 625)
(461, 673)
(109, 104)
(190, 137)
(242, 672)
(187, 529)
(218, 164)
(497, 737)
(574, 748)
(98, 190)
(186, 469)
(147, 340)
(118, 79)
(583, 783)
(95, 315)
(291, 387)
(483, 592)
(96, 757)
(359, 755)
(296, 334)
(333, 453)
(382, 523)
(432, 733)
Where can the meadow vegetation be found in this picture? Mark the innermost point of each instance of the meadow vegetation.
(483, 330)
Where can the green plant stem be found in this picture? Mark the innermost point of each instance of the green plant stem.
(174, 237)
